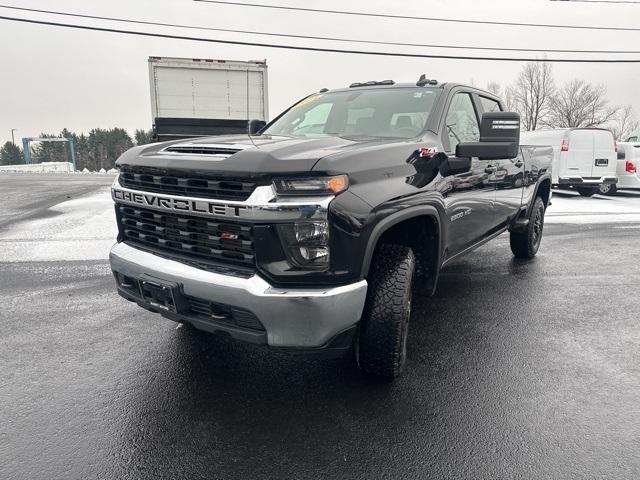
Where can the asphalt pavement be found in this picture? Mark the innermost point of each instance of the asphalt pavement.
(516, 369)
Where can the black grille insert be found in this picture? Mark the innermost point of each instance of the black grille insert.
(191, 184)
(225, 314)
(205, 240)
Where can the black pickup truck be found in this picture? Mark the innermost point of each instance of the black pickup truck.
(310, 233)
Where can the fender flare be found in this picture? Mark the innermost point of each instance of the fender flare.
(535, 192)
(394, 219)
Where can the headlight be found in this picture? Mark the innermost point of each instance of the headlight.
(311, 186)
(306, 244)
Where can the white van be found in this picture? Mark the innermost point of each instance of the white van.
(628, 169)
(583, 158)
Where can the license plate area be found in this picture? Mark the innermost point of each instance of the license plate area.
(602, 162)
(159, 294)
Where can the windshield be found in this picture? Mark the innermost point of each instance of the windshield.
(380, 113)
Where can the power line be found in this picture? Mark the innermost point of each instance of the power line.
(410, 17)
(313, 49)
(599, 1)
(310, 37)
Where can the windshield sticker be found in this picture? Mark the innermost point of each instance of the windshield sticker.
(307, 100)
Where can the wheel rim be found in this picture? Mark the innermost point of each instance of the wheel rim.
(537, 226)
(605, 188)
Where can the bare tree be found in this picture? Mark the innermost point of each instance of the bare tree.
(624, 124)
(580, 104)
(494, 87)
(509, 98)
(533, 93)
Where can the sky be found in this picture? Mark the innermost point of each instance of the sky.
(52, 78)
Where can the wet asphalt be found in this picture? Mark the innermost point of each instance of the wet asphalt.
(516, 370)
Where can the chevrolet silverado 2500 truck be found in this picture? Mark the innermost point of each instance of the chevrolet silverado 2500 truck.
(310, 234)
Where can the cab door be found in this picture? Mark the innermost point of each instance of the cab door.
(508, 177)
(468, 196)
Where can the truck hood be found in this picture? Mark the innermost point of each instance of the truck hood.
(237, 154)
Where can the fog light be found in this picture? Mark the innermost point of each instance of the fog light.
(314, 253)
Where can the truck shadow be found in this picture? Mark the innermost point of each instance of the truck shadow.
(233, 409)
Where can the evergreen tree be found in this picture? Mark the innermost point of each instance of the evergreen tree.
(143, 137)
(10, 154)
(100, 148)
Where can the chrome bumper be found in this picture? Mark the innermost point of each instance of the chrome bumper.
(300, 318)
(577, 180)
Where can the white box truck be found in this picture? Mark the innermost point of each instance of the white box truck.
(583, 158)
(193, 97)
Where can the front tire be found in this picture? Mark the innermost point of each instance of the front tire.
(526, 244)
(381, 348)
(607, 189)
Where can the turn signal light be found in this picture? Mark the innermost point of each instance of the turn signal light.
(338, 184)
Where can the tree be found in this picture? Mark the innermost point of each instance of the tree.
(10, 154)
(579, 104)
(105, 146)
(50, 151)
(494, 87)
(509, 98)
(624, 123)
(533, 93)
(99, 149)
(142, 137)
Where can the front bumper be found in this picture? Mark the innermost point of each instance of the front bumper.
(299, 319)
(586, 181)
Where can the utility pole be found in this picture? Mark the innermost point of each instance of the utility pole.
(13, 140)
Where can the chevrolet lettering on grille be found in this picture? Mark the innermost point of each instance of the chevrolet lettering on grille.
(202, 207)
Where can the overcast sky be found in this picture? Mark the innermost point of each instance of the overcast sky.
(51, 78)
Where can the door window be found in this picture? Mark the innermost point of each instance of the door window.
(490, 105)
(461, 124)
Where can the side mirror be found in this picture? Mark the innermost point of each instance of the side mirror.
(453, 165)
(499, 138)
(254, 126)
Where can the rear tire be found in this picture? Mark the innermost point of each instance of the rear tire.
(587, 191)
(381, 347)
(607, 189)
(526, 244)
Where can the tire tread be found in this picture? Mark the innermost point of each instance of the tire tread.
(521, 243)
(380, 349)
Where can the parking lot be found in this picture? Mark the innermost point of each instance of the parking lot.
(516, 369)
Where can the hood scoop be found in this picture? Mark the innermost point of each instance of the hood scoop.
(218, 150)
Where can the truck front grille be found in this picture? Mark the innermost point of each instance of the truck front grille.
(190, 184)
(187, 237)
